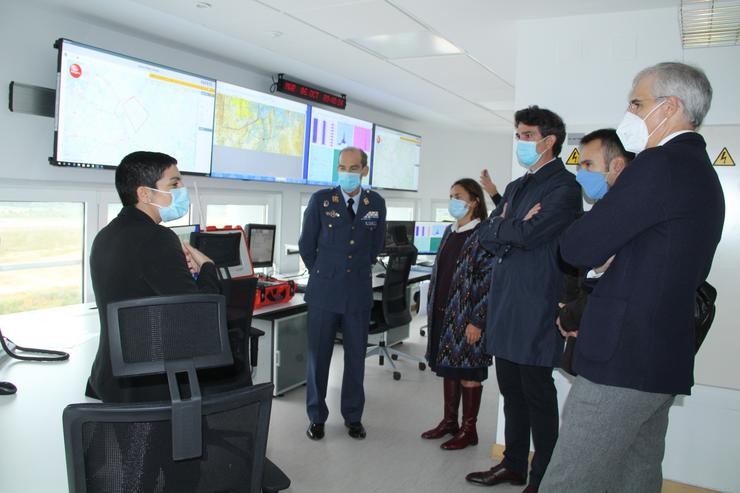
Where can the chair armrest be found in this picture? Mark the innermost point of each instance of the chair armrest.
(254, 336)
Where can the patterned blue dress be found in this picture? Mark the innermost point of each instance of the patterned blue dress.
(458, 295)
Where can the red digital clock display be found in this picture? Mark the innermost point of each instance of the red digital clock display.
(306, 92)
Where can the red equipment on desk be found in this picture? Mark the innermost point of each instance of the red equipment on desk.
(271, 291)
(234, 261)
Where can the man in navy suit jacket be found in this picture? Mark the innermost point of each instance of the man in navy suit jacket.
(662, 220)
(526, 284)
(343, 233)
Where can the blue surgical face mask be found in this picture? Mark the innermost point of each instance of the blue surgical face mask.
(526, 152)
(179, 206)
(349, 181)
(457, 208)
(593, 183)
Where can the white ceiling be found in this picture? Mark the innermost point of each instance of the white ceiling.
(317, 43)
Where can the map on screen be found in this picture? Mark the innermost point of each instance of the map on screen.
(329, 133)
(109, 105)
(396, 159)
(258, 136)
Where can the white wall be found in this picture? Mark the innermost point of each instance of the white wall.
(26, 37)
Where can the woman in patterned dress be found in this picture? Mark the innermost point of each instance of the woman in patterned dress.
(457, 311)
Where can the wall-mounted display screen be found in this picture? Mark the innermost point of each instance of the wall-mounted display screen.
(109, 105)
(396, 159)
(329, 133)
(258, 136)
(428, 236)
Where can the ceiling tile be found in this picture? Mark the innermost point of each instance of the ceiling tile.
(360, 20)
(461, 75)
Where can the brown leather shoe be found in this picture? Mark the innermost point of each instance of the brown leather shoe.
(495, 475)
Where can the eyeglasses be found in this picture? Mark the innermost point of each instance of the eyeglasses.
(635, 105)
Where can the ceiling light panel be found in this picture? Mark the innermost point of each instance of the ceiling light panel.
(706, 23)
(406, 45)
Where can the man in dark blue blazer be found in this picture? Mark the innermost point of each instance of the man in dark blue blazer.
(343, 233)
(526, 284)
(662, 221)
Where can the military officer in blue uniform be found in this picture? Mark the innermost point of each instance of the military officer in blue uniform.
(343, 233)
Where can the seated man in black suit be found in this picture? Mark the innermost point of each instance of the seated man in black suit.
(135, 257)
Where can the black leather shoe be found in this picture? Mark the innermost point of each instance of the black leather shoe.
(315, 431)
(356, 430)
(495, 475)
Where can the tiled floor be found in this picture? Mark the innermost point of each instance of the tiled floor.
(393, 457)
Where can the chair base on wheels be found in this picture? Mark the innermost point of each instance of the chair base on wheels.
(392, 355)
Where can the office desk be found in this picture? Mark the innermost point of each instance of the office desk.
(282, 351)
(31, 440)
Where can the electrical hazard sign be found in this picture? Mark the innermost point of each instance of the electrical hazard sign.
(724, 158)
(574, 158)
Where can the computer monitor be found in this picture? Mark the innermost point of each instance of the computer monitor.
(222, 248)
(392, 227)
(261, 243)
(428, 236)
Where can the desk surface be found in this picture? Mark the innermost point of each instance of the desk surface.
(32, 444)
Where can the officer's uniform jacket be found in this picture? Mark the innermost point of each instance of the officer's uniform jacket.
(339, 252)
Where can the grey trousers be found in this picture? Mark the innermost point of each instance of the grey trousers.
(611, 440)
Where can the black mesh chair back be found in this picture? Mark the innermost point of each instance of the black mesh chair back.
(126, 448)
(395, 303)
(174, 335)
(239, 295)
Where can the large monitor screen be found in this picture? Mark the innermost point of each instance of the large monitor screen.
(428, 235)
(109, 105)
(329, 133)
(258, 136)
(396, 159)
(261, 241)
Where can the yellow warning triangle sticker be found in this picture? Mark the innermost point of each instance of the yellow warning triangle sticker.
(724, 158)
(574, 158)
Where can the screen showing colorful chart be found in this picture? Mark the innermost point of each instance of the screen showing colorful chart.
(329, 133)
(428, 236)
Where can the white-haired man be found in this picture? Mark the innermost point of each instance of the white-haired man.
(662, 220)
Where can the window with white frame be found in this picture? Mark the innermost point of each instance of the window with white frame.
(42, 248)
(400, 209)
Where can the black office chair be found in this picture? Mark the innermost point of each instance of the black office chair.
(172, 335)
(392, 310)
(128, 448)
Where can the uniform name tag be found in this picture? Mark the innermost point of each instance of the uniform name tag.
(370, 215)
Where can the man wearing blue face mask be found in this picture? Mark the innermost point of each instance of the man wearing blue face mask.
(602, 160)
(526, 283)
(135, 257)
(343, 233)
(661, 221)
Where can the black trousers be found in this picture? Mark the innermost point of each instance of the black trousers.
(530, 406)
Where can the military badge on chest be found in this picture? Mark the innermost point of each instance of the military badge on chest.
(370, 219)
